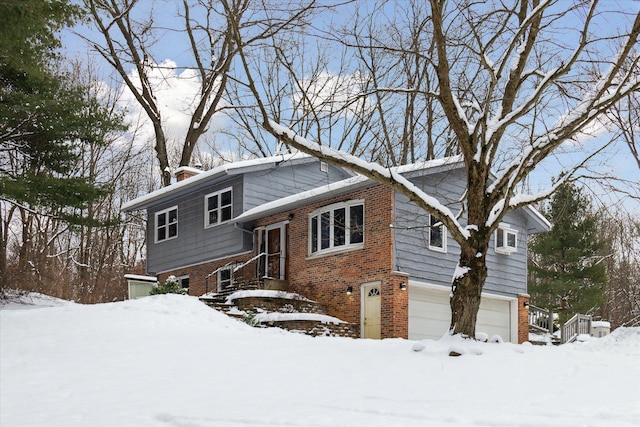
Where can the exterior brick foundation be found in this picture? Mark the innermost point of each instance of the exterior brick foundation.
(523, 318)
(198, 282)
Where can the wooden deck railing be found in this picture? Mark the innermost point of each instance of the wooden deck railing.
(540, 319)
(577, 325)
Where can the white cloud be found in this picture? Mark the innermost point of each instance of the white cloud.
(177, 95)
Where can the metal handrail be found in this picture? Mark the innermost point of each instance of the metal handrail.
(244, 264)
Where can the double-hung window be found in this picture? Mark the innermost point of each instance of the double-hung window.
(218, 207)
(437, 235)
(167, 224)
(337, 226)
(506, 239)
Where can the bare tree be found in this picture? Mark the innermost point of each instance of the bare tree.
(622, 257)
(516, 84)
(213, 32)
(84, 261)
(626, 116)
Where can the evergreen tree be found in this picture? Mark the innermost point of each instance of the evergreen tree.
(44, 116)
(566, 275)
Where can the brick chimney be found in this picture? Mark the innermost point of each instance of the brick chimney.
(184, 172)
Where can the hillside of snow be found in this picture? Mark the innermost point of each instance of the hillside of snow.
(169, 360)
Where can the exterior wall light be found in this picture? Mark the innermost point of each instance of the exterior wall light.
(403, 286)
(349, 290)
(526, 304)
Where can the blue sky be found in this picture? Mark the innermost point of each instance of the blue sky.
(615, 160)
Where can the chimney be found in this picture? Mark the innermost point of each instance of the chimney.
(184, 172)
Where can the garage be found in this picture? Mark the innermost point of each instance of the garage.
(430, 314)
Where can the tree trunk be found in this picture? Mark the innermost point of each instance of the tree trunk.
(466, 290)
(471, 274)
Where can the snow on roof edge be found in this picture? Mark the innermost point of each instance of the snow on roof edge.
(429, 164)
(223, 169)
(285, 202)
(537, 214)
(259, 210)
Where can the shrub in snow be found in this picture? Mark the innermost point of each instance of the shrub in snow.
(171, 286)
(481, 336)
(496, 339)
(419, 346)
(250, 319)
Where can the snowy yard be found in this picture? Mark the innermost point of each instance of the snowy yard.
(171, 361)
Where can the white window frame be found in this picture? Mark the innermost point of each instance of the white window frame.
(347, 238)
(207, 211)
(219, 278)
(166, 225)
(502, 244)
(432, 222)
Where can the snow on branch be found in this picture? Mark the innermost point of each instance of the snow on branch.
(375, 172)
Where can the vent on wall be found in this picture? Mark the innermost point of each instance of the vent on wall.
(324, 167)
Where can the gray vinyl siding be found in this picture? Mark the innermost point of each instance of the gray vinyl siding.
(196, 244)
(267, 185)
(507, 274)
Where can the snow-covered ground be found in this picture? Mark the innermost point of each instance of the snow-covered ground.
(169, 360)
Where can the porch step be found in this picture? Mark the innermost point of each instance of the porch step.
(283, 310)
(315, 328)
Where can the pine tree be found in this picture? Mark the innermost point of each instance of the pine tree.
(44, 116)
(566, 275)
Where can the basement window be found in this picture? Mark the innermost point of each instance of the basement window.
(506, 239)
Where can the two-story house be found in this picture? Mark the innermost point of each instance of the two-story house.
(358, 247)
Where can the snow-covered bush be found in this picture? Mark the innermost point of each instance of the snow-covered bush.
(171, 286)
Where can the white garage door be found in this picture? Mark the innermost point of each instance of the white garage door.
(430, 314)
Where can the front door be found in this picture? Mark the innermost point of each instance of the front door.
(276, 251)
(371, 310)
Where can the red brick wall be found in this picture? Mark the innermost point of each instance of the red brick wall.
(523, 318)
(326, 278)
(198, 273)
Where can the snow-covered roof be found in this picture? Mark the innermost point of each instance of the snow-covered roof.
(339, 187)
(141, 278)
(429, 164)
(225, 169)
(359, 181)
(543, 222)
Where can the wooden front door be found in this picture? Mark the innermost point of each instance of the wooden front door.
(276, 251)
(371, 323)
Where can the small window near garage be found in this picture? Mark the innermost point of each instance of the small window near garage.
(506, 239)
(167, 224)
(225, 279)
(437, 235)
(218, 207)
(335, 227)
